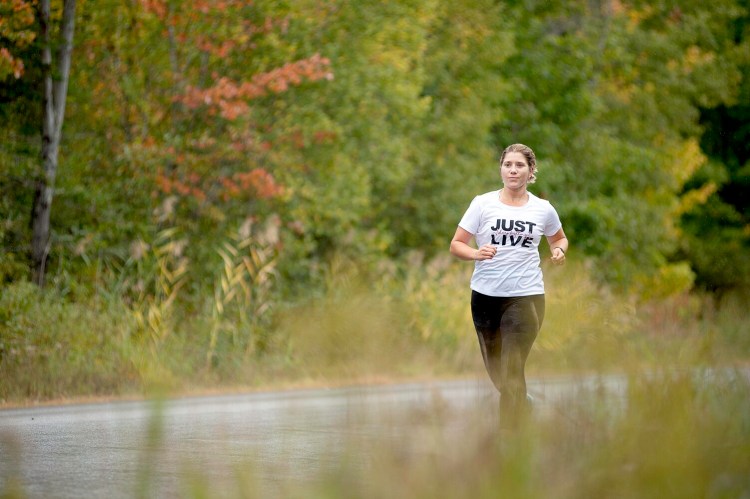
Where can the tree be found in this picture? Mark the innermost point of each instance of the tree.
(468, 89)
(717, 229)
(55, 91)
(181, 103)
(716, 224)
(608, 94)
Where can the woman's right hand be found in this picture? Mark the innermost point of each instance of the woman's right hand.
(486, 252)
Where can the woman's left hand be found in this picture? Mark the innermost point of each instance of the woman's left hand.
(558, 256)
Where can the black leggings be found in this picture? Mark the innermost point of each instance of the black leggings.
(506, 329)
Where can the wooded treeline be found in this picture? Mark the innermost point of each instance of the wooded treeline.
(282, 136)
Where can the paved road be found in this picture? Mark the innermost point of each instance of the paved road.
(148, 449)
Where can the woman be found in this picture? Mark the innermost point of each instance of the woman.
(507, 298)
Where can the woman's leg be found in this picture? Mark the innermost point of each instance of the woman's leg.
(486, 312)
(519, 327)
(506, 330)
(539, 306)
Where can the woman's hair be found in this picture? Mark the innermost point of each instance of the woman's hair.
(527, 153)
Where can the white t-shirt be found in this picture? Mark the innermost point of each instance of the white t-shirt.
(516, 231)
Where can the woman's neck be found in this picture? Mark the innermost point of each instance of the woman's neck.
(514, 197)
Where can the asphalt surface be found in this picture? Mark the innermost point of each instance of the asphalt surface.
(167, 448)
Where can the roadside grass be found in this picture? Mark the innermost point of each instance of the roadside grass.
(50, 348)
(677, 434)
(393, 322)
(676, 437)
(674, 433)
(683, 429)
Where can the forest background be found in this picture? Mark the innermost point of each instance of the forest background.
(256, 193)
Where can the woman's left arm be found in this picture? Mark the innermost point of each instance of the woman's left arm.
(558, 244)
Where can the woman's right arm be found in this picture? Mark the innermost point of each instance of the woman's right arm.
(460, 247)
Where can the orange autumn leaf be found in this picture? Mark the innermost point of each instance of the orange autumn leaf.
(230, 97)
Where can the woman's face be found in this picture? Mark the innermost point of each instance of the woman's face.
(514, 170)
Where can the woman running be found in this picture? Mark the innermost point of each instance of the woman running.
(507, 297)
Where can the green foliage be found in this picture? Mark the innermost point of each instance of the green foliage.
(468, 86)
(717, 232)
(15, 195)
(716, 237)
(382, 158)
(16, 33)
(367, 119)
(360, 132)
(608, 95)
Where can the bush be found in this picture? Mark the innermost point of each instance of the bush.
(51, 348)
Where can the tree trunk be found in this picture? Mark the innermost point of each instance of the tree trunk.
(55, 91)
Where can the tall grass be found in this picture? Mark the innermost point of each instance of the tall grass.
(675, 434)
(678, 435)
(50, 348)
(387, 320)
(683, 429)
(159, 286)
(242, 293)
